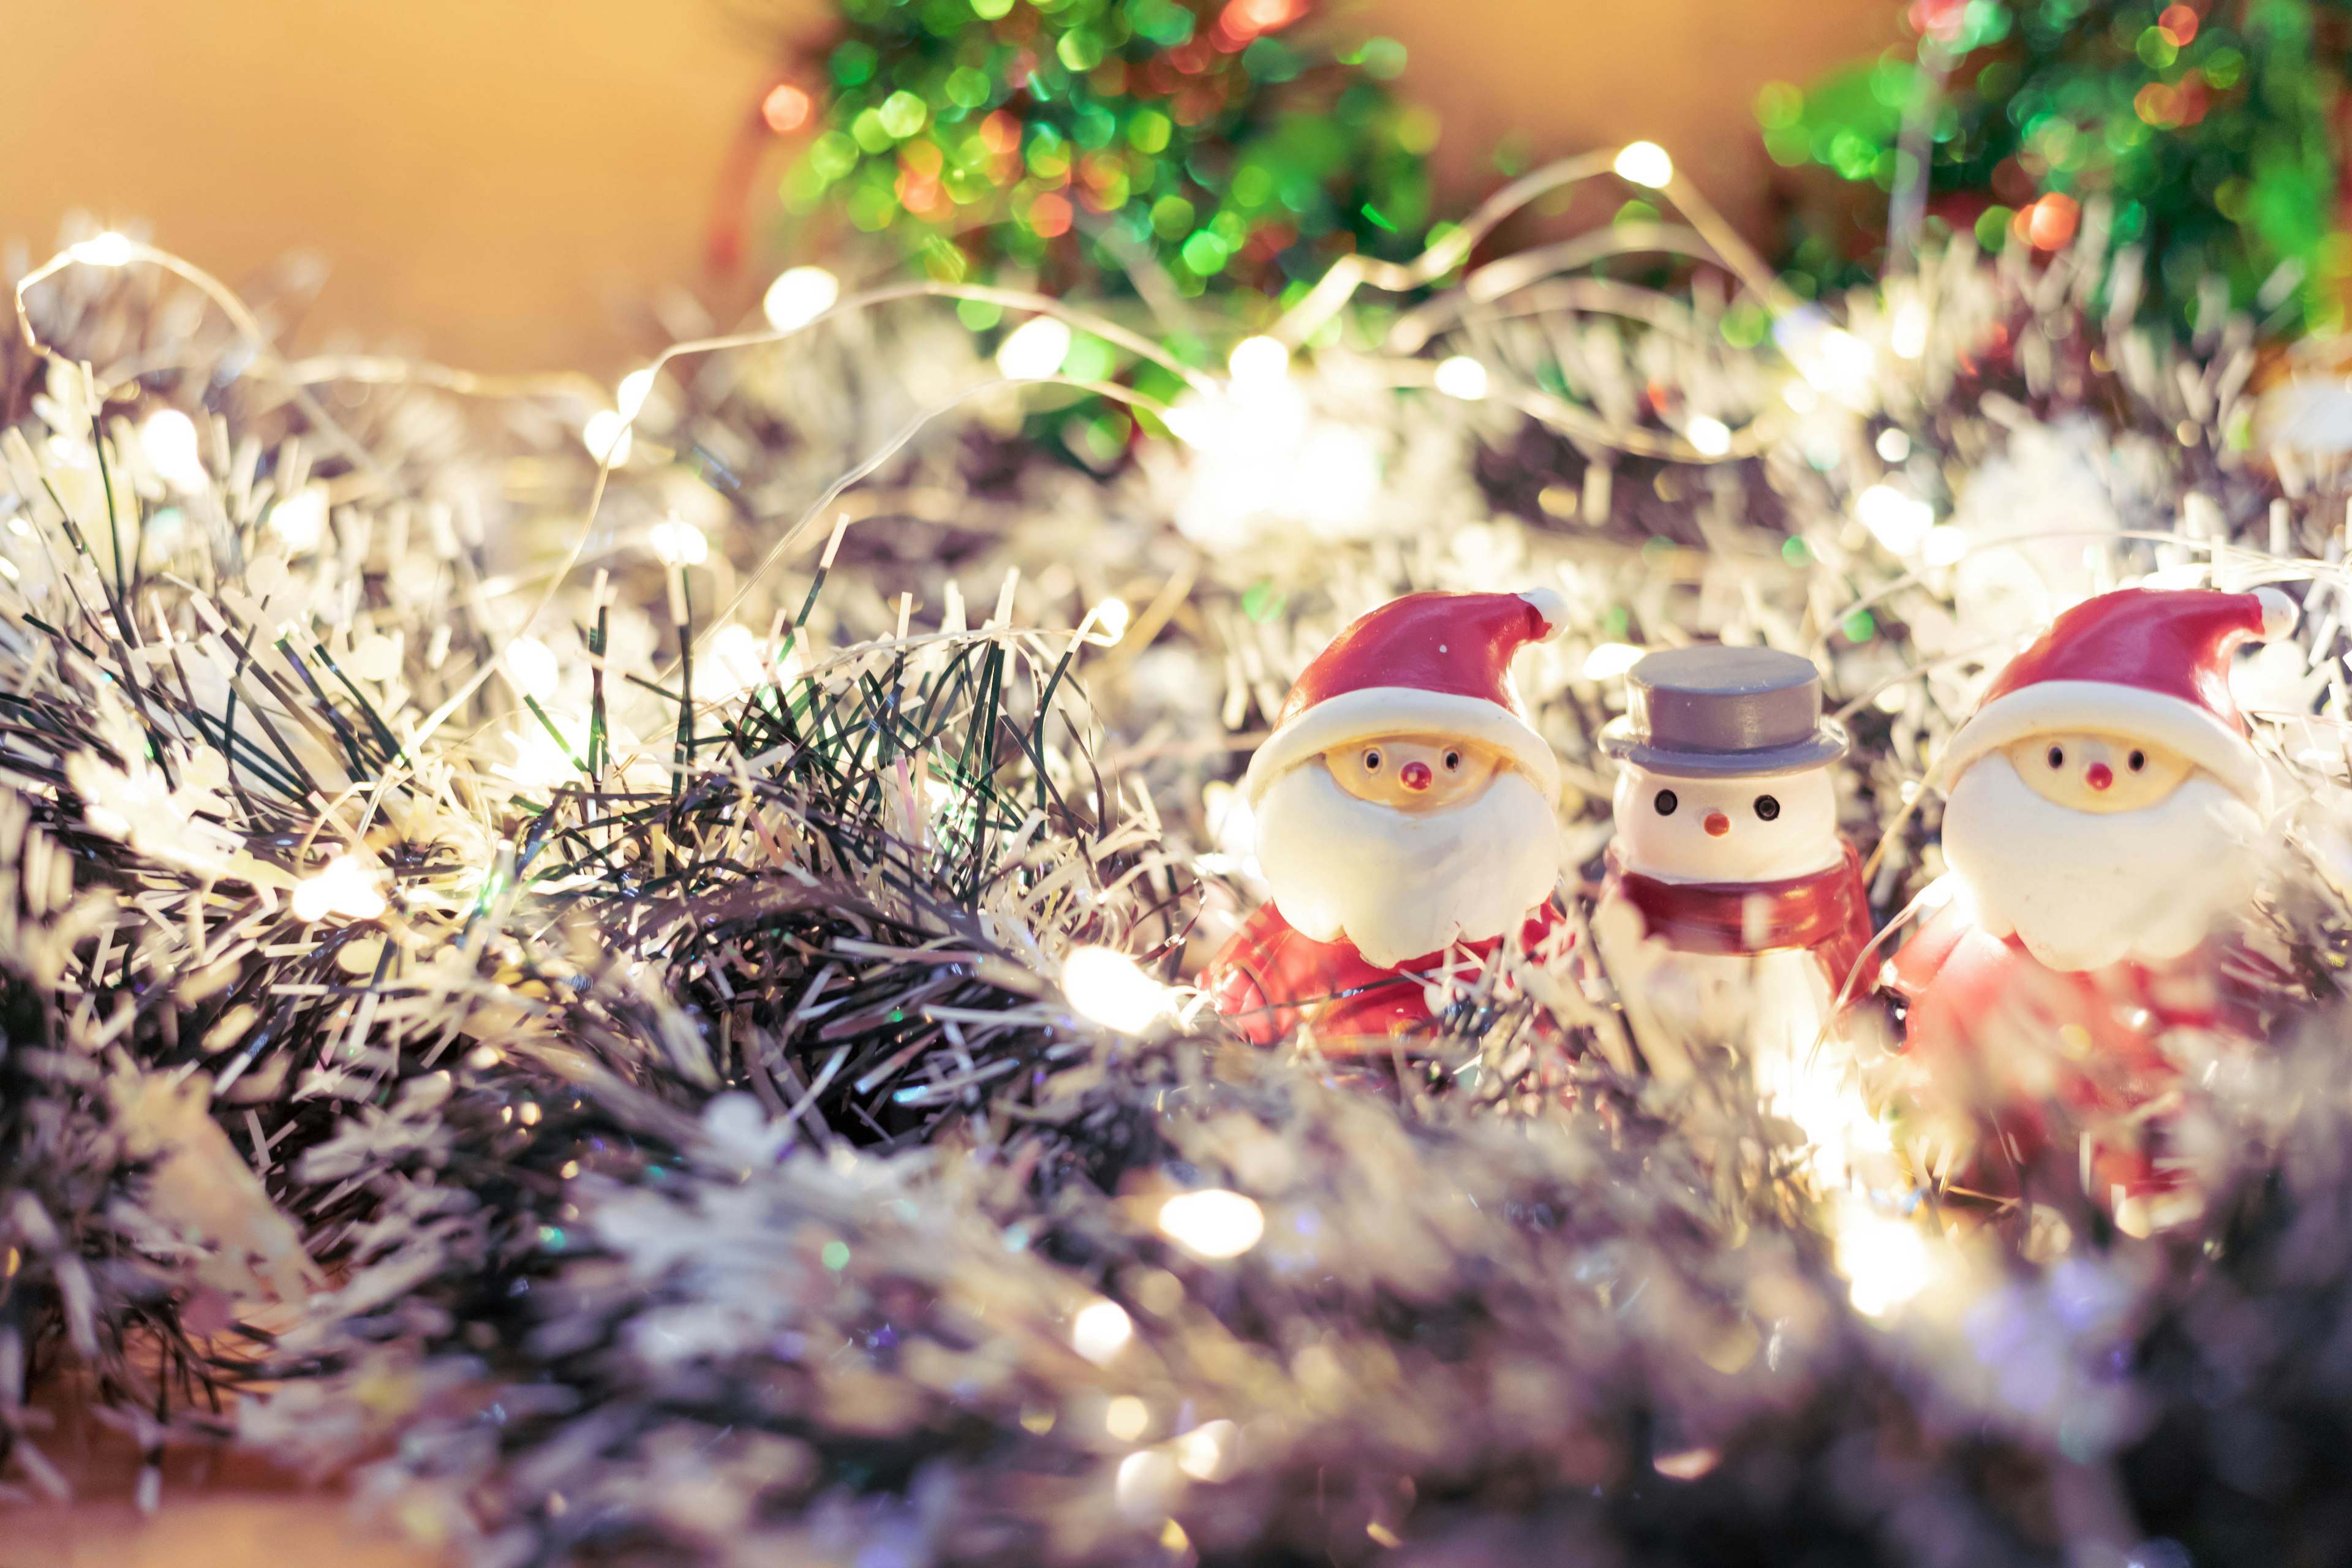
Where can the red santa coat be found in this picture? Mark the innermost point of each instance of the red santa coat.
(1826, 913)
(2022, 1046)
(1270, 979)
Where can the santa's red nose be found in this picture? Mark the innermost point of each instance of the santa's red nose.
(1716, 825)
(2099, 775)
(1414, 775)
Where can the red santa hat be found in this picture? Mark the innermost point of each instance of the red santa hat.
(2144, 662)
(1427, 664)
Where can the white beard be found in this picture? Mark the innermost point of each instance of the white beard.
(1399, 884)
(2084, 890)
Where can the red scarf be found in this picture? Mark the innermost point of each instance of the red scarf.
(1825, 913)
(1271, 977)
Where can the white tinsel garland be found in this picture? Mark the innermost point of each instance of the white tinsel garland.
(720, 1125)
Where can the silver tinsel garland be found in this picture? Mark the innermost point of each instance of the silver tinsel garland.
(652, 1046)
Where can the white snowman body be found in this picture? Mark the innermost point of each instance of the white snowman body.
(1769, 1004)
(1732, 908)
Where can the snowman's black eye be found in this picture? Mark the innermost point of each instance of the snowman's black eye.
(2057, 756)
(2136, 760)
(1453, 761)
(1768, 806)
(1665, 803)
(1372, 762)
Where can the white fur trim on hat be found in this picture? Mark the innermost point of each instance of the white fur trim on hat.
(2105, 708)
(1550, 605)
(2279, 614)
(1373, 711)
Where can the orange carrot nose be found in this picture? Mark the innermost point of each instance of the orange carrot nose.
(1414, 775)
(2099, 775)
(1716, 825)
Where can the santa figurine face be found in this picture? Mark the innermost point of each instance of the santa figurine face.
(1403, 802)
(1764, 829)
(2084, 771)
(2101, 799)
(1415, 773)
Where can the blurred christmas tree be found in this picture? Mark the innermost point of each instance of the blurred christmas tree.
(2210, 127)
(1104, 145)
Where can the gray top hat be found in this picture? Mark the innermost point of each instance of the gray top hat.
(1723, 712)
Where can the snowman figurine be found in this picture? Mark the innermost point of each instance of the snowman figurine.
(1734, 913)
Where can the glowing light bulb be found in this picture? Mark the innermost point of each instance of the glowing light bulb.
(799, 296)
(1102, 1331)
(1946, 545)
(1126, 1419)
(1885, 1260)
(1111, 619)
(1206, 1451)
(1256, 362)
(342, 887)
(786, 108)
(1893, 518)
(678, 542)
(530, 665)
(1645, 164)
(1110, 988)
(1146, 1480)
(735, 659)
(1839, 363)
(1462, 377)
(108, 249)
(1712, 436)
(169, 439)
(1212, 1224)
(300, 520)
(1034, 350)
(1610, 660)
(1908, 337)
(1894, 445)
(606, 436)
(1335, 478)
(630, 397)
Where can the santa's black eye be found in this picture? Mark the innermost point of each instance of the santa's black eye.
(2136, 760)
(1453, 761)
(1665, 803)
(2057, 756)
(1372, 762)
(1768, 806)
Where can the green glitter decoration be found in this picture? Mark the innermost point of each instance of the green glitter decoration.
(2207, 126)
(1079, 138)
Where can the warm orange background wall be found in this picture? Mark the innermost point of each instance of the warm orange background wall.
(488, 177)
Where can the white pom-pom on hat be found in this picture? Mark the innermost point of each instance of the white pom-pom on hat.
(1552, 607)
(2279, 614)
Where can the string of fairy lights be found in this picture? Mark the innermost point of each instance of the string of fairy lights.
(1100, 932)
(1063, 345)
(1245, 430)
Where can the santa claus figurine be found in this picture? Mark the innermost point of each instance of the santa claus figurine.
(1734, 912)
(1405, 825)
(2101, 804)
